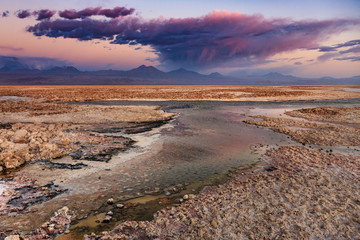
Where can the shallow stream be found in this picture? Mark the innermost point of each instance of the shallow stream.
(198, 148)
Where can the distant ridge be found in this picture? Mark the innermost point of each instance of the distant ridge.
(62, 70)
(14, 73)
(216, 75)
(12, 63)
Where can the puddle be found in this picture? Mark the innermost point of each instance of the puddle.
(197, 149)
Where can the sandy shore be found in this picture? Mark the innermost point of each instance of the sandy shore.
(147, 93)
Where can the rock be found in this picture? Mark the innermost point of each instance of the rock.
(50, 230)
(11, 163)
(13, 237)
(110, 213)
(110, 201)
(186, 197)
(214, 223)
(107, 219)
(21, 148)
(45, 225)
(63, 211)
(120, 206)
(64, 142)
(51, 127)
(192, 196)
(20, 136)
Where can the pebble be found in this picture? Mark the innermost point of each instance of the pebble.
(110, 201)
(120, 206)
(107, 219)
(186, 197)
(13, 237)
(110, 213)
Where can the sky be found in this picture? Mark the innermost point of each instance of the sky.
(303, 38)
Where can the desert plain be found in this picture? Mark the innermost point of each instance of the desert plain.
(84, 162)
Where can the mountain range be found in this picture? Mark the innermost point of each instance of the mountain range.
(15, 73)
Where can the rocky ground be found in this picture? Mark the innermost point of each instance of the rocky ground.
(32, 131)
(223, 93)
(342, 115)
(301, 194)
(323, 132)
(58, 224)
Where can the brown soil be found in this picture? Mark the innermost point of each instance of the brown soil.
(238, 93)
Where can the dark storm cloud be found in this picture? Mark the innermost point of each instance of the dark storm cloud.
(40, 14)
(5, 14)
(23, 13)
(220, 37)
(74, 14)
(44, 14)
(116, 12)
(87, 12)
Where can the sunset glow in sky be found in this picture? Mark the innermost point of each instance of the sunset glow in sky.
(303, 38)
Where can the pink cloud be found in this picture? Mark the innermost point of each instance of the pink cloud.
(218, 38)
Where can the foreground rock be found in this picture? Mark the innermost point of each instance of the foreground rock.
(19, 193)
(308, 195)
(32, 131)
(28, 142)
